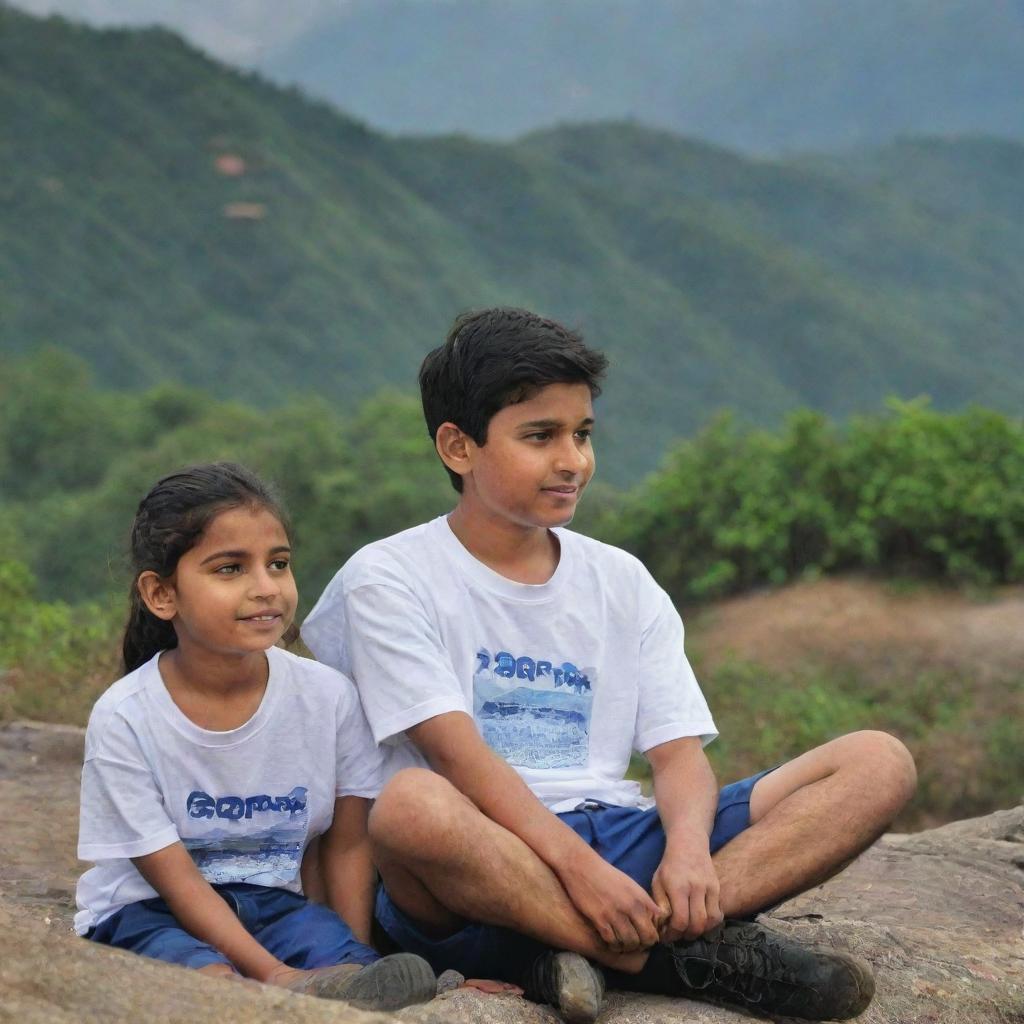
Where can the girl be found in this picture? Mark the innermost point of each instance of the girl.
(219, 757)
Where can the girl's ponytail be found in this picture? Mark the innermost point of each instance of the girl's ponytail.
(144, 634)
(169, 521)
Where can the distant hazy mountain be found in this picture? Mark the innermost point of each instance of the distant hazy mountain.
(167, 218)
(758, 75)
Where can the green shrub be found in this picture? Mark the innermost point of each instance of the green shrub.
(911, 492)
(55, 658)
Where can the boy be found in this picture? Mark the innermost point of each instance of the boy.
(523, 663)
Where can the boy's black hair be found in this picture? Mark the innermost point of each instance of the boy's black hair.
(499, 357)
(170, 520)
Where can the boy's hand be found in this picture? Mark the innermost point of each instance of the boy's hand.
(686, 888)
(622, 914)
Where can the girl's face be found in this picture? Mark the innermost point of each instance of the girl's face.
(233, 593)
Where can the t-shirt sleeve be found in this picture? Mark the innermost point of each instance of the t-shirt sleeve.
(402, 670)
(122, 810)
(359, 767)
(671, 705)
(322, 632)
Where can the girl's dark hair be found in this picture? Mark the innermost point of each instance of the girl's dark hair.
(169, 522)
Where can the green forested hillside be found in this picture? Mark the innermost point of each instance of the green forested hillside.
(171, 220)
(908, 491)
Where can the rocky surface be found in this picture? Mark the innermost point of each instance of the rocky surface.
(938, 914)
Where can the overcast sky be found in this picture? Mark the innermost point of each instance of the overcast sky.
(237, 31)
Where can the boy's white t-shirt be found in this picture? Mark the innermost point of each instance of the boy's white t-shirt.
(245, 803)
(564, 679)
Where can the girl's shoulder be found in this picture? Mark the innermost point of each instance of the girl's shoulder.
(121, 705)
(125, 689)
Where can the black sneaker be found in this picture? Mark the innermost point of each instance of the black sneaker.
(743, 964)
(568, 982)
(387, 984)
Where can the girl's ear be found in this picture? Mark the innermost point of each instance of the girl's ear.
(454, 447)
(157, 595)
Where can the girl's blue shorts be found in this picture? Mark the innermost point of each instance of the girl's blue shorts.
(299, 933)
(631, 838)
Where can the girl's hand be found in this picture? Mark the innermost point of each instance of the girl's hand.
(284, 976)
(296, 980)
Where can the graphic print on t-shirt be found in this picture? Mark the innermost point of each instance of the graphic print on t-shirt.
(534, 712)
(255, 839)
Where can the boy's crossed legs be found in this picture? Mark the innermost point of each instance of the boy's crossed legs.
(445, 863)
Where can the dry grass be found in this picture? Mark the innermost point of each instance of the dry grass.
(868, 626)
(940, 668)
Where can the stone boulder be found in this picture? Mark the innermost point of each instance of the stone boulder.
(938, 914)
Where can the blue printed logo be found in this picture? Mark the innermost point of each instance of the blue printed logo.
(202, 805)
(270, 854)
(506, 666)
(534, 712)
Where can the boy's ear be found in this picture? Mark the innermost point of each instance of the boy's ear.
(455, 448)
(157, 595)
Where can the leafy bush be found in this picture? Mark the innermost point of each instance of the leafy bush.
(76, 459)
(913, 492)
(55, 658)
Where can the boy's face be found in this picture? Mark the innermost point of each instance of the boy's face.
(537, 459)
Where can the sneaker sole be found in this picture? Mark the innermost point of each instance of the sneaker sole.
(580, 988)
(864, 981)
(402, 979)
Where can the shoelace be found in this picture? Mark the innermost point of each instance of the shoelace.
(755, 966)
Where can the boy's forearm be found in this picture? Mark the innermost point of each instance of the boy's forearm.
(201, 912)
(608, 901)
(506, 799)
(685, 883)
(685, 790)
(455, 750)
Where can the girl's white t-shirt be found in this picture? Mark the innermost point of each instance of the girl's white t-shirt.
(564, 679)
(245, 803)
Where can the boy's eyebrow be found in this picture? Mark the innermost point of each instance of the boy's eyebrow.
(548, 424)
(242, 554)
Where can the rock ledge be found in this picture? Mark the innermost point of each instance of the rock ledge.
(938, 914)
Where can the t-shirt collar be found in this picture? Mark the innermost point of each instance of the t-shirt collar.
(183, 725)
(486, 577)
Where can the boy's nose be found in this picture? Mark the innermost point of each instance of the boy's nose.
(571, 459)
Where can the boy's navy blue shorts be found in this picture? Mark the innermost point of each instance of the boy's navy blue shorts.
(629, 837)
(299, 933)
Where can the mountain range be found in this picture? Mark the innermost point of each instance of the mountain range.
(169, 218)
(762, 76)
